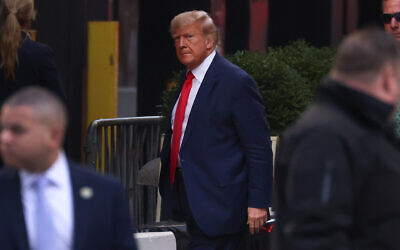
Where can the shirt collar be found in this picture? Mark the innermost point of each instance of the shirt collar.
(200, 71)
(57, 174)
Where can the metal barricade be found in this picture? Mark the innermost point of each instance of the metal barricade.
(120, 147)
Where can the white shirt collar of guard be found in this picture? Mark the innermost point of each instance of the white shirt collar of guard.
(57, 174)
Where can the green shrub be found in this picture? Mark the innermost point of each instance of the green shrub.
(168, 95)
(310, 62)
(287, 78)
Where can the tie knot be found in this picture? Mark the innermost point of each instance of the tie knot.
(40, 183)
(189, 76)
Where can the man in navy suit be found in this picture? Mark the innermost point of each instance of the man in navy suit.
(47, 202)
(216, 159)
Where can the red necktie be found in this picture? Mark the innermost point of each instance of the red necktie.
(177, 133)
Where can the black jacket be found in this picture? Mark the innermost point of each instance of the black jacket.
(36, 66)
(338, 175)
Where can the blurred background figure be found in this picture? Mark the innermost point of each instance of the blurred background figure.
(23, 62)
(47, 201)
(391, 21)
(338, 175)
(391, 17)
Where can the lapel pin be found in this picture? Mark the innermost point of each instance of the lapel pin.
(86, 192)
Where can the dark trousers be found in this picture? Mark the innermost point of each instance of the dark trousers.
(199, 240)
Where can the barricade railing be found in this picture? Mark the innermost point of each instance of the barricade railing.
(120, 147)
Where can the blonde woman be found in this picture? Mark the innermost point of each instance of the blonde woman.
(23, 62)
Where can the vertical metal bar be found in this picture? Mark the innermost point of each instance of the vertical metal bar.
(91, 142)
(148, 142)
(123, 138)
(107, 151)
(114, 165)
(130, 173)
(120, 152)
(135, 170)
(99, 166)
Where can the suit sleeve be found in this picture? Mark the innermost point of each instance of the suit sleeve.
(314, 193)
(122, 229)
(251, 125)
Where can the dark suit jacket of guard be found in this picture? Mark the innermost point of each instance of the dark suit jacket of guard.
(225, 156)
(36, 67)
(100, 223)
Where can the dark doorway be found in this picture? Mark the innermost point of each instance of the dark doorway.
(293, 19)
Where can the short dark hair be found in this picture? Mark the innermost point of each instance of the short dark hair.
(47, 106)
(365, 52)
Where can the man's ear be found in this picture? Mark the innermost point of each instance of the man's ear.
(209, 43)
(390, 84)
(56, 136)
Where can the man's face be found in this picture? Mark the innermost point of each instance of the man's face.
(191, 45)
(24, 141)
(393, 27)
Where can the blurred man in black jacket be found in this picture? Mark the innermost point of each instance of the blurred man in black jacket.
(338, 172)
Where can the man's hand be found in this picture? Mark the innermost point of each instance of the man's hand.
(256, 218)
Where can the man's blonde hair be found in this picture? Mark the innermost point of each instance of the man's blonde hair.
(190, 17)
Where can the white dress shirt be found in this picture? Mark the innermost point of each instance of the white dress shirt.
(199, 74)
(59, 197)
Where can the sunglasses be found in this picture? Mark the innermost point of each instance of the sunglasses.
(387, 18)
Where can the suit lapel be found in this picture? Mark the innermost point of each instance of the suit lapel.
(81, 207)
(16, 213)
(206, 88)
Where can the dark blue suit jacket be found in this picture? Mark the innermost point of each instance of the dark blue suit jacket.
(225, 155)
(100, 223)
(36, 67)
